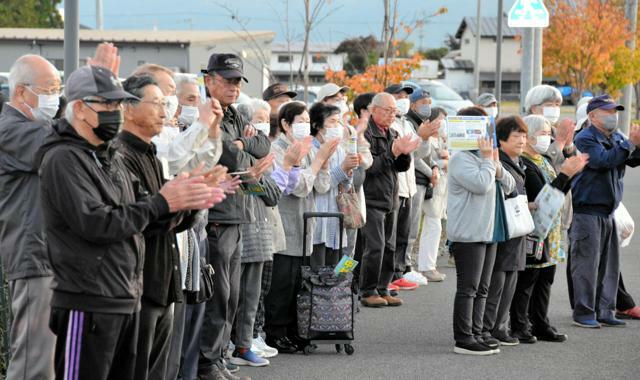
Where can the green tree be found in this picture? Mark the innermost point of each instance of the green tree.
(30, 14)
(361, 52)
(436, 53)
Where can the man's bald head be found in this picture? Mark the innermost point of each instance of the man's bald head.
(383, 109)
(32, 69)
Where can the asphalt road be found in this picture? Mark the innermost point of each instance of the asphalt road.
(415, 341)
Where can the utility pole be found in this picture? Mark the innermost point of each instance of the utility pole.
(71, 37)
(526, 73)
(631, 12)
(476, 64)
(498, 81)
(99, 19)
(537, 56)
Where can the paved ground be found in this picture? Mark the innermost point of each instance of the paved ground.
(415, 341)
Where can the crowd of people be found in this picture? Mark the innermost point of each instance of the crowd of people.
(150, 233)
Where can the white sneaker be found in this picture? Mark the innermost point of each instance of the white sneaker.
(262, 346)
(435, 276)
(416, 277)
(256, 350)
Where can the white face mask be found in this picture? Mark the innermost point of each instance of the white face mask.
(172, 106)
(300, 130)
(542, 144)
(491, 111)
(188, 115)
(263, 127)
(332, 133)
(344, 108)
(403, 106)
(47, 106)
(551, 113)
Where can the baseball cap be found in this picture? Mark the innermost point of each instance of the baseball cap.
(396, 88)
(329, 90)
(419, 94)
(486, 99)
(604, 102)
(95, 81)
(278, 89)
(226, 65)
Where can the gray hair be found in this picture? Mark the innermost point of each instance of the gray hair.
(539, 95)
(182, 79)
(22, 71)
(535, 123)
(378, 99)
(249, 108)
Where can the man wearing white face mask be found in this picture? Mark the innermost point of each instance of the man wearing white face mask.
(489, 104)
(25, 122)
(597, 193)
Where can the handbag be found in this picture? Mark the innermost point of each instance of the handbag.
(349, 206)
(205, 293)
(519, 219)
(534, 247)
(500, 233)
(624, 225)
(428, 194)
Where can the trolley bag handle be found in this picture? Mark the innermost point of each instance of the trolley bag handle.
(309, 215)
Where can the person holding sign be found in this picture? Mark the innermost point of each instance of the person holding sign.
(529, 308)
(598, 191)
(474, 177)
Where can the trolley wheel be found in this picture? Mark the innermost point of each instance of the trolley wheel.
(339, 348)
(309, 349)
(349, 349)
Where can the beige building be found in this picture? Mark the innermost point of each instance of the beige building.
(182, 51)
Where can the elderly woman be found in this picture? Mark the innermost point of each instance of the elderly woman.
(529, 308)
(280, 303)
(325, 126)
(474, 177)
(256, 111)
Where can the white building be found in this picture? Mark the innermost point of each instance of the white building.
(286, 59)
(180, 50)
(459, 65)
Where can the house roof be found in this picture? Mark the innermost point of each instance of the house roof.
(488, 27)
(457, 64)
(141, 36)
(297, 47)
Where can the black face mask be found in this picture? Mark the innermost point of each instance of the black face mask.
(109, 123)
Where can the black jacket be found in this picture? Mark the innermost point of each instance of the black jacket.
(235, 209)
(22, 236)
(162, 277)
(421, 178)
(95, 213)
(381, 183)
(511, 254)
(534, 182)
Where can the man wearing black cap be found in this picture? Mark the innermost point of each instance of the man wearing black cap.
(276, 95)
(95, 213)
(223, 80)
(597, 192)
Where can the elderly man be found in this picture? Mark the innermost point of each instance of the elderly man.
(239, 152)
(95, 214)
(391, 155)
(276, 95)
(25, 122)
(597, 193)
(488, 103)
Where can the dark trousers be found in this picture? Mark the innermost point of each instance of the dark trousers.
(194, 317)
(595, 267)
(474, 266)
(175, 354)
(496, 311)
(403, 228)
(378, 254)
(265, 286)
(324, 256)
(94, 345)
(280, 302)
(530, 305)
(225, 247)
(154, 340)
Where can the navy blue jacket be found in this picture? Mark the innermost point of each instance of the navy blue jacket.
(597, 190)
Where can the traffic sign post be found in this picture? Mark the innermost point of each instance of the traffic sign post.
(528, 14)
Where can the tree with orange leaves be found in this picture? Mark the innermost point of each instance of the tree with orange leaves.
(376, 77)
(581, 40)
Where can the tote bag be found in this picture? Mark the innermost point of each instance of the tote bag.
(519, 219)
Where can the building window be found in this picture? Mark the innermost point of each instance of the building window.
(284, 59)
(319, 59)
(58, 63)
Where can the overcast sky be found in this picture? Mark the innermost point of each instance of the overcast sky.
(346, 18)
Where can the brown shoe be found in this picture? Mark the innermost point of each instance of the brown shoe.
(373, 301)
(392, 301)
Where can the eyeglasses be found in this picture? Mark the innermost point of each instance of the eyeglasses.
(110, 105)
(388, 110)
(236, 82)
(156, 104)
(44, 91)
